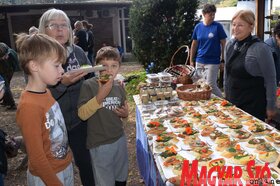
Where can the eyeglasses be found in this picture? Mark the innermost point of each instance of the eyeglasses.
(57, 26)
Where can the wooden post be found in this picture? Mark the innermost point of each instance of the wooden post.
(260, 8)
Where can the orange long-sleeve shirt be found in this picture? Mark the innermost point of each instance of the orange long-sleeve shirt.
(42, 126)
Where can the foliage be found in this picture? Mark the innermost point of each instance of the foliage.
(274, 22)
(219, 3)
(159, 27)
(131, 86)
(227, 3)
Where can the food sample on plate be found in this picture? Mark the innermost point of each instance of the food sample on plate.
(175, 111)
(225, 144)
(258, 129)
(196, 116)
(173, 161)
(254, 142)
(178, 122)
(161, 146)
(271, 136)
(156, 130)
(154, 124)
(202, 152)
(167, 136)
(202, 161)
(266, 152)
(205, 123)
(225, 119)
(190, 139)
(197, 143)
(188, 132)
(222, 138)
(232, 150)
(207, 130)
(168, 152)
(215, 134)
(241, 135)
(216, 162)
(190, 103)
(241, 158)
(225, 103)
(235, 126)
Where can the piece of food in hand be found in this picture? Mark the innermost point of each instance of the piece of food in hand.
(104, 78)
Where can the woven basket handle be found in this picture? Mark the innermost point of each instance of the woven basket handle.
(187, 50)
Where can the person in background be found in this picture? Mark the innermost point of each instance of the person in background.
(102, 103)
(80, 36)
(39, 116)
(207, 48)
(55, 23)
(8, 65)
(90, 40)
(33, 30)
(3, 157)
(2, 88)
(250, 78)
(274, 43)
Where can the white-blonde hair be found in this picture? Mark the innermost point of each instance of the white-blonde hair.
(52, 14)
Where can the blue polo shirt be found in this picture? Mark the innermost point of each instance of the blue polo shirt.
(208, 38)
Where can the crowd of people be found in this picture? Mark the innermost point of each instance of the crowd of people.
(77, 111)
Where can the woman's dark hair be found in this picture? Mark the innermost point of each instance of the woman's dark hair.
(209, 8)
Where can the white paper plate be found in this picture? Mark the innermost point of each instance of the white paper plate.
(86, 70)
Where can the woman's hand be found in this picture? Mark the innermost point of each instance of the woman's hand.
(69, 78)
(122, 112)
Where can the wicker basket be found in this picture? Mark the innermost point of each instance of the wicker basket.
(192, 96)
(182, 72)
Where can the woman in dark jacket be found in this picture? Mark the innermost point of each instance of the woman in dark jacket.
(250, 78)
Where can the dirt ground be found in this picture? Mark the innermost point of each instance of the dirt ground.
(17, 177)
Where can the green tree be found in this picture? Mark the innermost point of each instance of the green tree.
(159, 27)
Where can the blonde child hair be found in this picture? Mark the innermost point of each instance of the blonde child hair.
(38, 47)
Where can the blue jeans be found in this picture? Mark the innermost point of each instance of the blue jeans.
(209, 73)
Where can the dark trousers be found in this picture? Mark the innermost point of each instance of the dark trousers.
(90, 57)
(8, 96)
(77, 141)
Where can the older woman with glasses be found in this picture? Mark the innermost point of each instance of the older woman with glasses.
(250, 78)
(56, 24)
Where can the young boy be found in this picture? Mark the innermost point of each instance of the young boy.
(103, 104)
(39, 116)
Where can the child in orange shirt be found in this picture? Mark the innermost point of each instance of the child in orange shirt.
(39, 116)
